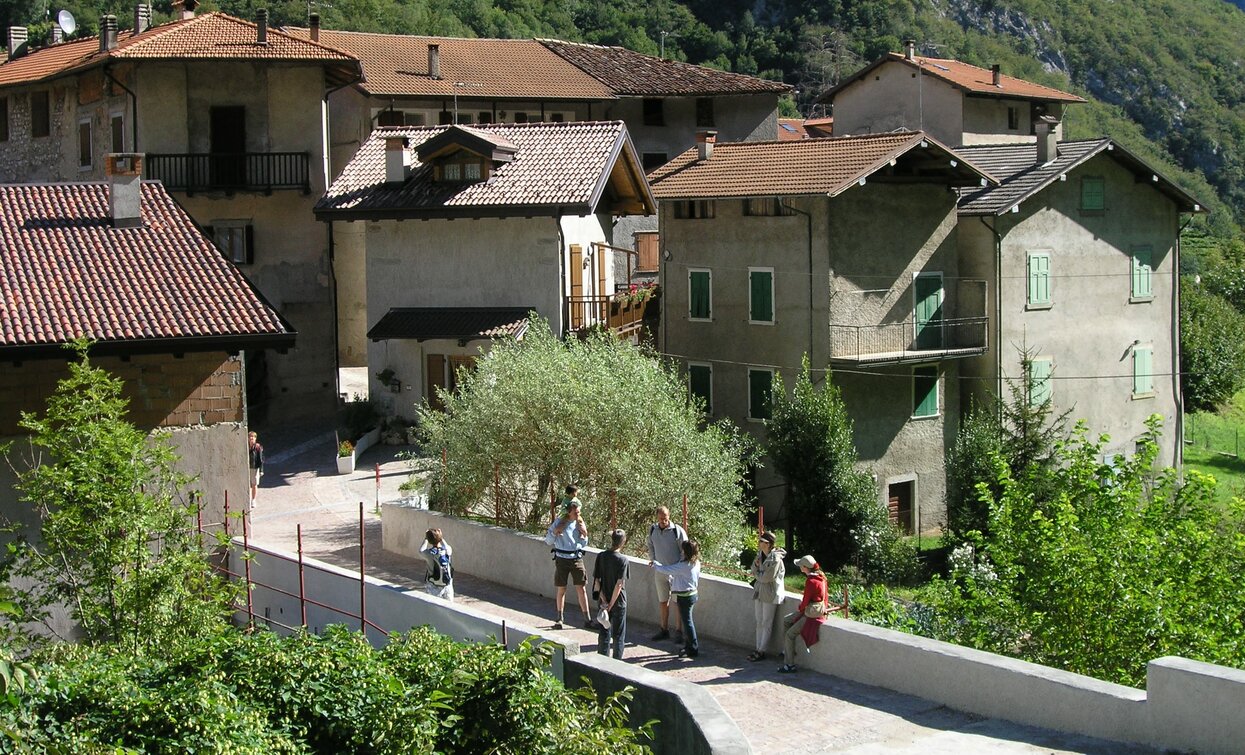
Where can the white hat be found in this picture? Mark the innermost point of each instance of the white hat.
(807, 562)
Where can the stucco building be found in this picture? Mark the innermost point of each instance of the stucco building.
(121, 263)
(468, 228)
(844, 250)
(233, 121)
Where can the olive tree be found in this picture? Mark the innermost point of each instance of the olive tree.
(612, 418)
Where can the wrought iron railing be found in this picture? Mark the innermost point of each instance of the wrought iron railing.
(909, 339)
(250, 171)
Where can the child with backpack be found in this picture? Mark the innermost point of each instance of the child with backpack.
(439, 577)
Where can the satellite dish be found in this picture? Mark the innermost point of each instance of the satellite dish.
(66, 21)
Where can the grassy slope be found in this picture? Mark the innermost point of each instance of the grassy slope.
(1213, 435)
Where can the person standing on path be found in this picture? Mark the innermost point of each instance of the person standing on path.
(439, 576)
(665, 546)
(255, 461)
(567, 538)
(684, 579)
(609, 586)
(807, 619)
(768, 572)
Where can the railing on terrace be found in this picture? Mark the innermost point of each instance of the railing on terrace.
(251, 171)
(909, 340)
(620, 313)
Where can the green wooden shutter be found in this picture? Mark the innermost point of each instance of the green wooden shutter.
(761, 296)
(699, 296)
(1143, 377)
(1039, 278)
(760, 383)
(700, 383)
(1143, 284)
(1093, 194)
(924, 391)
(1039, 381)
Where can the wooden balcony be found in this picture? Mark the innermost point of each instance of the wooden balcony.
(252, 171)
(621, 314)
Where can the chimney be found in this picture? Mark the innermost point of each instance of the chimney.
(58, 35)
(188, 9)
(261, 26)
(17, 42)
(909, 49)
(107, 33)
(142, 18)
(314, 22)
(1047, 147)
(704, 143)
(125, 187)
(997, 72)
(434, 61)
(396, 166)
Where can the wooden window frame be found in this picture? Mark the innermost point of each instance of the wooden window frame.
(247, 228)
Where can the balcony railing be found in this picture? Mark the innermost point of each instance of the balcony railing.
(621, 315)
(909, 341)
(251, 171)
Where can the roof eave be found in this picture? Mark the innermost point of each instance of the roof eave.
(231, 343)
(329, 215)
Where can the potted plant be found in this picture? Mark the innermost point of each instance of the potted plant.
(345, 457)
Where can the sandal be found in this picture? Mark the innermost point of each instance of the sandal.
(756, 656)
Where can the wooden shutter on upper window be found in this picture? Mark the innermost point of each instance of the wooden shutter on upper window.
(761, 296)
(1142, 278)
(699, 299)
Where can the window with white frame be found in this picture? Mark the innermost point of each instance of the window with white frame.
(699, 294)
(234, 238)
(761, 295)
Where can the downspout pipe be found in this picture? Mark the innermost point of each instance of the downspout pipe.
(1178, 458)
(133, 108)
(998, 308)
(808, 221)
(563, 295)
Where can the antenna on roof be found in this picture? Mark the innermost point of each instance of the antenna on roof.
(663, 35)
(66, 21)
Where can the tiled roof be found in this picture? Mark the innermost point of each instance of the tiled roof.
(791, 129)
(1020, 177)
(627, 72)
(970, 78)
(558, 168)
(66, 272)
(397, 65)
(467, 323)
(808, 166)
(211, 36)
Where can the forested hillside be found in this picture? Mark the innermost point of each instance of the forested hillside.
(1166, 76)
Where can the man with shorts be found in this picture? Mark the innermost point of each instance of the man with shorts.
(665, 546)
(255, 462)
(567, 537)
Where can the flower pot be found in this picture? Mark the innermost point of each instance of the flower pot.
(345, 464)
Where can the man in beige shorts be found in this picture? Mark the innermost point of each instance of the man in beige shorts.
(665, 543)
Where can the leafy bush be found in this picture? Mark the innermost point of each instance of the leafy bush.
(355, 418)
(1212, 348)
(330, 694)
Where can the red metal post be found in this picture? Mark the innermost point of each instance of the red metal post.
(553, 505)
(496, 496)
(302, 582)
(362, 579)
(246, 563)
(613, 509)
(760, 520)
(685, 512)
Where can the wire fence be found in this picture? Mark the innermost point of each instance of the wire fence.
(1213, 434)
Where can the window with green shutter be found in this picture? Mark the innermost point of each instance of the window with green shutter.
(1143, 273)
(760, 384)
(699, 295)
(1040, 388)
(1039, 279)
(761, 294)
(1093, 194)
(700, 383)
(1143, 371)
(924, 391)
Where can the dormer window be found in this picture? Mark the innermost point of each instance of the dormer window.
(463, 167)
(452, 172)
(466, 155)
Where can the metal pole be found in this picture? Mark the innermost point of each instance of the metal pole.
(845, 608)
(685, 512)
(246, 563)
(302, 583)
(362, 579)
(505, 635)
(226, 513)
(553, 505)
(496, 496)
(760, 520)
(199, 517)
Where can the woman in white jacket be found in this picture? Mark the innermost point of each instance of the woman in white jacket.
(768, 572)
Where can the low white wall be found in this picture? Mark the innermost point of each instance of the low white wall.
(1187, 705)
(692, 721)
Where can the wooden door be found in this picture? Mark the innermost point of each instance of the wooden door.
(434, 373)
(577, 286)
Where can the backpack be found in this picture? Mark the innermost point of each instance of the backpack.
(441, 574)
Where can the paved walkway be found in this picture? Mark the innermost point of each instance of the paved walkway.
(802, 713)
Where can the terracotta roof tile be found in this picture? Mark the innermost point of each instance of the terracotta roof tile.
(808, 166)
(627, 72)
(66, 272)
(1020, 176)
(967, 77)
(397, 65)
(423, 323)
(211, 36)
(791, 129)
(556, 167)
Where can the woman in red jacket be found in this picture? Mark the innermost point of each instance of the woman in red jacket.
(807, 620)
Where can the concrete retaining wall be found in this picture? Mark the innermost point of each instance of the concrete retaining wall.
(692, 722)
(1186, 705)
